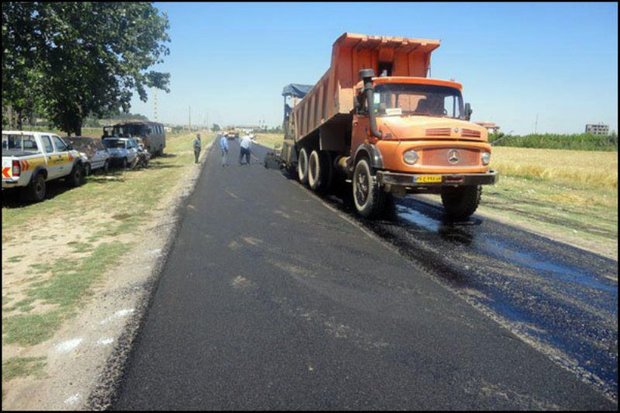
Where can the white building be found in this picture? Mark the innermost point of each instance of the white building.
(597, 129)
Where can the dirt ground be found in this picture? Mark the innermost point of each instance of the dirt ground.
(84, 355)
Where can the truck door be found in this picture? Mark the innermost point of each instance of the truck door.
(48, 152)
(63, 160)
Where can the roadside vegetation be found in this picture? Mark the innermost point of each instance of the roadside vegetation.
(578, 142)
(56, 251)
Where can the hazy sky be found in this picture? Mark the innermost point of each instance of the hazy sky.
(517, 61)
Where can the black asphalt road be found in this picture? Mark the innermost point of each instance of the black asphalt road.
(270, 300)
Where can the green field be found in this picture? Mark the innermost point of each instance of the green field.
(579, 142)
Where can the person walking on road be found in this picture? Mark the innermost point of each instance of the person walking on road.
(197, 147)
(245, 149)
(224, 148)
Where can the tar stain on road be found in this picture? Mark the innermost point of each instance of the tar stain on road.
(560, 299)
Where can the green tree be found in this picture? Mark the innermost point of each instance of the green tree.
(216, 127)
(74, 60)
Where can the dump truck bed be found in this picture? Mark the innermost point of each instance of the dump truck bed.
(330, 101)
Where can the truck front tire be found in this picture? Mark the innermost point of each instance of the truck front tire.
(302, 166)
(461, 202)
(36, 189)
(367, 196)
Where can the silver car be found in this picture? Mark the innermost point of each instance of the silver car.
(92, 151)
(123, 151)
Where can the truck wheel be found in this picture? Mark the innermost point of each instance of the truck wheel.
(302, 166)
(76, 177)
(319, 170)
(461, 202)
(367, 195)
(35, 191)
(124, 163)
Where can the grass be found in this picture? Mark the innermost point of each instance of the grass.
(269, 139)
(573, 193)
(126, 202)
(22, 367)
(571, 169)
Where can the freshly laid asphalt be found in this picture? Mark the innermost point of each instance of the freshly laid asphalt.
(271, 300)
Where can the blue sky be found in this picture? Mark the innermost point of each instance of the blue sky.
(517, 61)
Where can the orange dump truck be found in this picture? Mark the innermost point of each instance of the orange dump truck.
(375, 119)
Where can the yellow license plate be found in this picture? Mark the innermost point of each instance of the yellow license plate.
(428, 179)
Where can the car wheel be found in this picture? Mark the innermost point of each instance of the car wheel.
(124, 163)
(106, 166)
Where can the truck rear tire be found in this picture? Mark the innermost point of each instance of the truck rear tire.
(319, 171)
(302, 166)
(461, 202)
(36, 189)
(367, 196)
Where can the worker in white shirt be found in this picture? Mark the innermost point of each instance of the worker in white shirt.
(245, 147)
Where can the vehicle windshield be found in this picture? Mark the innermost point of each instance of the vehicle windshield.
(130, 130)
(415, 99)
(20, 142)
(114, 143)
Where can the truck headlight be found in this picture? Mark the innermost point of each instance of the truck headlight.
(410, 157)
(486, 158)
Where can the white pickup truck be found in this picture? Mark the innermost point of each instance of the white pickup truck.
(30, 159)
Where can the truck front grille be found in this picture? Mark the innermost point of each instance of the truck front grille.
(442, 156)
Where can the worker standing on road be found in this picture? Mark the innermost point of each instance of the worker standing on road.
(197, 147)
(224, 148)
(245, 149)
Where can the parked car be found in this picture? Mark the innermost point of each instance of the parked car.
(94, 154)
(31, 159)
(123, 151)
(153, 134)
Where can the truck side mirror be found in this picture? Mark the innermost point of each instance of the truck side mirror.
(468, 111)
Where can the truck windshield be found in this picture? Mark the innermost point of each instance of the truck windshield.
(411, 99)
(19, 142)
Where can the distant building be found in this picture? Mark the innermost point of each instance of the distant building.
(597, 129)
(491, 127)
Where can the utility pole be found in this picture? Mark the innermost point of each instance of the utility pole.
(190, 118)
(536, 124)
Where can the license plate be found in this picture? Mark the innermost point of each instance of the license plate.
(428, 179)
